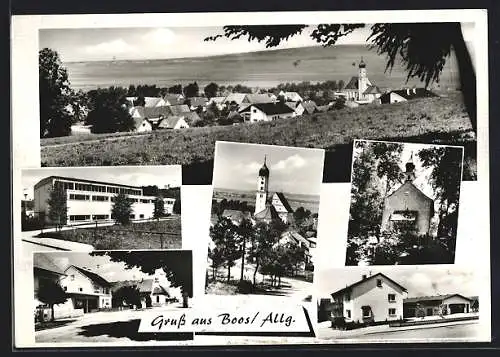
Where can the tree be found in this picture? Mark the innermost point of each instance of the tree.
(375, 171)
(445, 178)
(128, 295)
(175, 89)
(423, 48)
(108, 110)
(58, 207)
(191, 90)
(177, 205)
(121, 209)
(300, 215)
(79, 106)
(159, 208)
(245, 231)
(56, 95)
(216, 256)
(50, 292)
(211, 90)
(177, 264)
(225, 237)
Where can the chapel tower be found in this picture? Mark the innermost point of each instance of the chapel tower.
(262, 188)
(363, 82)
(410, 169)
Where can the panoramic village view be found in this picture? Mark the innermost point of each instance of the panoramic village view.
(264, 220)
(101, 296)
(145, 96)
(101, 208)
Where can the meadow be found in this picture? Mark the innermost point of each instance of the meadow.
(164, 234)
(441, 120)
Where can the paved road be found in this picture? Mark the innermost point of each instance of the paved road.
(116, 326)
(460, 330)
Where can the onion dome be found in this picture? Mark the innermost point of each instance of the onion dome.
(264, 171)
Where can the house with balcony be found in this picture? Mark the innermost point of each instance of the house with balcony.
(374, 298)
(86, 290)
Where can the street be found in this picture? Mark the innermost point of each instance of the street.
(465, 330)
(107, 326)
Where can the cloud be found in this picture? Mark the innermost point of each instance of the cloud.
(159, 37)
(110, 47)
(61, 262)
(292, 162)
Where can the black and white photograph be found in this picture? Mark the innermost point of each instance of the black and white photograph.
(264, 218)
(101, 296)
(165, 95)
(101, 208)
(404, 203)
(408, 304)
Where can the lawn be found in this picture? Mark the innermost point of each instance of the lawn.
(142, 235)
(441, 120)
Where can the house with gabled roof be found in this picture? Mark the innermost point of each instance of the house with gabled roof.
(86, 289)
(237, 216)
(437, 305)
(404, 95)
(196, 102)
(173, 122)
(151, 102)
(174, 99)
(267, 112)
(373, 298)
(282, 206)
(290, 96)
(408, 204)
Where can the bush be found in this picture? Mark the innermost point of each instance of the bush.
(339, 323)
(245, 287)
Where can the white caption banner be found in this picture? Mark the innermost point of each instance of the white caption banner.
(286, 319)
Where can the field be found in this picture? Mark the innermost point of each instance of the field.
(295, 201)
(441, 120)
(144, 235)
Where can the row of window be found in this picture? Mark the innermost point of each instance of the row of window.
(390, 297)
(78, 197)
(367, 312)
(87, 217)
(97, 290)
(98, 188)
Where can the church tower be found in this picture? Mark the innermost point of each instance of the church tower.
(363, 82)
(410, 169)
(262, 188)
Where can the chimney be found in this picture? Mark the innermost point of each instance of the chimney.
(363, 276)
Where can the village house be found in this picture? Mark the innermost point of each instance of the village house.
(408, 204)
(404, 95)
(91, 201)
(237, 216)
(157, 291)
(359, 89)
(44, 271)
(173, 99)
(437, 305)
(219, 102)
(173, 122)
(267, 112)
(197, 102)
(86, 290)
(374, 298)
(290, 96)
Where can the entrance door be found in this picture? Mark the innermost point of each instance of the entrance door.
(457, 308)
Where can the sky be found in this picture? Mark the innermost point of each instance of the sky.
(101, 265)
(418, 280)
(90, 44)
(126, 175)
(292, 170)
(422, 174)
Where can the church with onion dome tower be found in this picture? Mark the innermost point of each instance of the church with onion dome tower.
(359, 89)
(269, 207)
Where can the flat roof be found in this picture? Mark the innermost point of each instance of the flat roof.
(46, 179)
